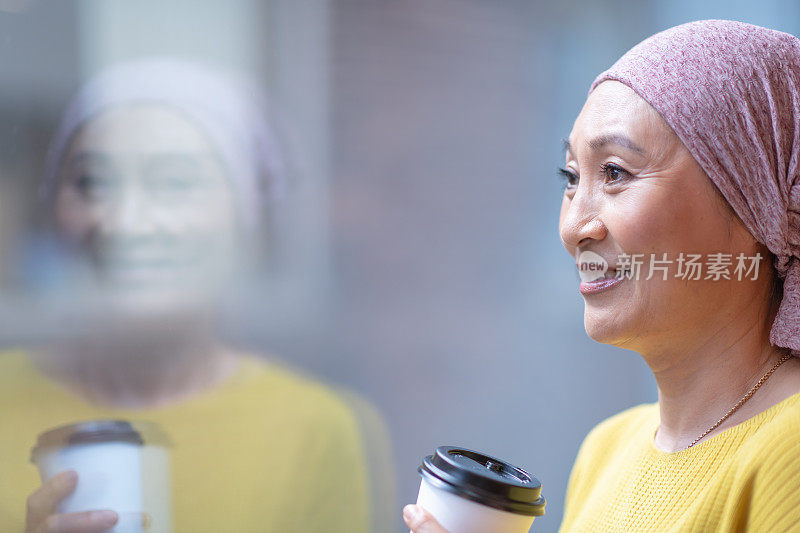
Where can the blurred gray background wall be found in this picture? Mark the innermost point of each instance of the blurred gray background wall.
(425, 265)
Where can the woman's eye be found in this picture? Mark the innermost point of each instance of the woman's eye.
(175, 183)
(570, 178)
(613, 172)
(176, 187)
(92, 186)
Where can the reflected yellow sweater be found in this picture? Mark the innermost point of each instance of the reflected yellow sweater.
(746, 478)
(266, 451)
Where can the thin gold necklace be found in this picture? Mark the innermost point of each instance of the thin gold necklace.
(746, 397)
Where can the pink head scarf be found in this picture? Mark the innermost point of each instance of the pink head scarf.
(731, 92)
(232, 112)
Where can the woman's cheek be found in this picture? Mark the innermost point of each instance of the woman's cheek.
(644, 222)
(75, 222)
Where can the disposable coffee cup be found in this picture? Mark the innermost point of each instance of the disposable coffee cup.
(122, 466)
(470, 492)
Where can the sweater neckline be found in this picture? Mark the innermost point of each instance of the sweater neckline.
(247, 369)
(715, 441)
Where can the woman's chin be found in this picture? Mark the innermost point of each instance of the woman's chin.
(150, 304)
(603, 328)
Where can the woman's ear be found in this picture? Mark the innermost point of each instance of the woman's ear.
(776, 285)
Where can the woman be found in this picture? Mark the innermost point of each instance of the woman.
(690, 144)
(155, 183)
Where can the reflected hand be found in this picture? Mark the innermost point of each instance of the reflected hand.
(420, 521)
(42, 504)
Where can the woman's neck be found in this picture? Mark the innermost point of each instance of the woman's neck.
(141, 369)
(698, 383)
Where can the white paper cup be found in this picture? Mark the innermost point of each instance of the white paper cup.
(469, 492)
(121, 466)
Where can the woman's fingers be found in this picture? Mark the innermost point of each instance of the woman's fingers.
(42, 504)
(419, 521)
(85, 522)
(44, 501)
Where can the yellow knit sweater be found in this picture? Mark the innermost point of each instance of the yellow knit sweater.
(746, 478)
(269, 450)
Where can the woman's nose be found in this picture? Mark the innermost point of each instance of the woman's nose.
(131, 215)
(581, 222)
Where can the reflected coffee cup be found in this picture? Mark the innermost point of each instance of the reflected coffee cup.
(470, 492)
(122, 466)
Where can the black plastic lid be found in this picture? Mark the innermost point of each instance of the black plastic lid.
(100, 431)
(484, 479)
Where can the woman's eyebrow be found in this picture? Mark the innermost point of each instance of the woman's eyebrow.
(87, 158)
(615, 138)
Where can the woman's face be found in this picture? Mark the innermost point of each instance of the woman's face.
(143, 198)
(634, 188)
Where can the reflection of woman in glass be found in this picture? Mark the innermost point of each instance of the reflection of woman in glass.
(155, 181)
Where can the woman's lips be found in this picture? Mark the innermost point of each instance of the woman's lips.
(599, 285)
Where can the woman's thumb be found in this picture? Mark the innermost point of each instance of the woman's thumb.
(419, 521)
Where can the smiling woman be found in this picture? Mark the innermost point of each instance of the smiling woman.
(156, 182)
(652, 200)
(680, 154)
(688, 149)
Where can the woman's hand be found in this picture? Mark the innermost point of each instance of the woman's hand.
(419, 521)
(42, 517)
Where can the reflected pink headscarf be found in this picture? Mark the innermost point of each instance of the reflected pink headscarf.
(731, 92)
(232, 112)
